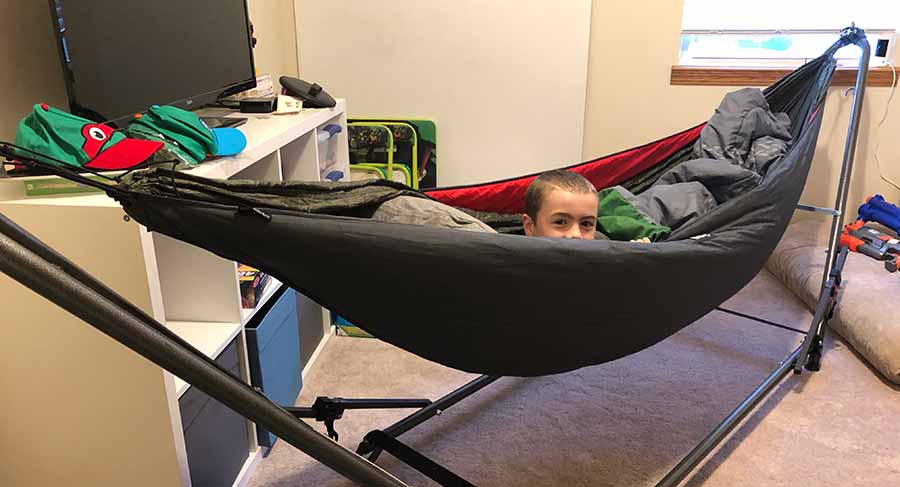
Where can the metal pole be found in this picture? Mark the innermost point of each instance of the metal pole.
(702, 449)
(840, 204)
(30, 242)
(761, 320)
(322, 408)
(437, 407)
(51, 282)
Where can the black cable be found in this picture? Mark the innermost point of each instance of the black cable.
(761, 320)
(66, 171)
(14, 156)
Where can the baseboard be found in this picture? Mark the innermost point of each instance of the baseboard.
(246, 472)
(315, 354)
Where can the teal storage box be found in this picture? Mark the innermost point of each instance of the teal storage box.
(273, 353)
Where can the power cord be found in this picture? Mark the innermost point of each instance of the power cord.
(887, 111)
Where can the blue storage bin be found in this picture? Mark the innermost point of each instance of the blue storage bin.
(273, 352)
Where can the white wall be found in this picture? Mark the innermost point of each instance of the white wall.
(503, 80)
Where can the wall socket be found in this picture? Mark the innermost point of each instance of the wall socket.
(881, 48)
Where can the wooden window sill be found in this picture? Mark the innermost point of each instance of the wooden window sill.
(727, 76)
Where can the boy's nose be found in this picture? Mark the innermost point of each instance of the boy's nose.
(574, 232)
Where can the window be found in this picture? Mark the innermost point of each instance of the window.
(782, 33)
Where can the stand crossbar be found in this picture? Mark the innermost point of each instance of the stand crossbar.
(760, 320)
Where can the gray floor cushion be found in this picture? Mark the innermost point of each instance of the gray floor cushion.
(868, 314)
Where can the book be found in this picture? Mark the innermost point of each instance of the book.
(252, 283)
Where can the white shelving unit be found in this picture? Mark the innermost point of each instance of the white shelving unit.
(209, 338)
(192, 291)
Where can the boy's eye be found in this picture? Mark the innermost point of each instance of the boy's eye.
(589, 224)
(559, 221)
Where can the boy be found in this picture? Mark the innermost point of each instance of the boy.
(560, 203)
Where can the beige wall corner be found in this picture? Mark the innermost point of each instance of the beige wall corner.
(276, 48)
(78, 408)
(31, 72)
(630, 102)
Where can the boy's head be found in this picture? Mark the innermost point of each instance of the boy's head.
(560, 203)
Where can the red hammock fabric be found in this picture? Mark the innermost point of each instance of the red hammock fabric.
(508, 196)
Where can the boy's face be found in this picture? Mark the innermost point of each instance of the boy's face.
(564, 214)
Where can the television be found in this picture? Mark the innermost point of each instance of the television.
(121, 56)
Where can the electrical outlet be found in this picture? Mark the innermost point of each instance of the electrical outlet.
(881, 48)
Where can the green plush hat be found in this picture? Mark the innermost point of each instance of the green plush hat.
(79, 142)
(189, 133)
(170, 150)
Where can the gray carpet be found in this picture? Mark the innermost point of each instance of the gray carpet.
(627, 422)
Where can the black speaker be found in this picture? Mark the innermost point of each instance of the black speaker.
(313, 95)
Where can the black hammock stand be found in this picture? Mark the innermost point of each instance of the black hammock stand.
(475, 285)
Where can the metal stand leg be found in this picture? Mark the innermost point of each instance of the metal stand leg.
(809, 353)
(330, 409)
(686, 465)
(811, 350)
(29, 261)
(856, 36)
(367, 446)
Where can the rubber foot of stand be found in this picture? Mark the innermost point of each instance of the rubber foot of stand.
(814, 364)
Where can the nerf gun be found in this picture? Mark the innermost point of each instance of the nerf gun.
(877, 209)
(868, 241)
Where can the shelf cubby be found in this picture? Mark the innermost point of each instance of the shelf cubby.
(191, 291)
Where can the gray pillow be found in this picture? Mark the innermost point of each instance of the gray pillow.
(867, 313)
(423, 211)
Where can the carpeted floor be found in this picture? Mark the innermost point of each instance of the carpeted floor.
(626, 423)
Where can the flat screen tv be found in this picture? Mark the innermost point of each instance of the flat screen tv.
(121, 56)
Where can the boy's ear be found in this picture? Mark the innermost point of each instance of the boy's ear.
(527, 224)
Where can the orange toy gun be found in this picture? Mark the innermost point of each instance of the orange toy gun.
(858, 237)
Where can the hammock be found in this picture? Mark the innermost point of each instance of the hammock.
(488, 303)
(485, 303)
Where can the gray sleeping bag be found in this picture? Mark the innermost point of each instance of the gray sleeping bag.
(733, 152)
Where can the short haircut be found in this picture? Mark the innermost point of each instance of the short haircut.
(550, 180)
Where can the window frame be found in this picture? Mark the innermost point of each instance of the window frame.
(764, 72)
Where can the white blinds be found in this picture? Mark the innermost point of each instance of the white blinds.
(790, 14)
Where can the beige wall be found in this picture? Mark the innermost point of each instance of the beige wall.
(630, 102)
(31, 72)
(276, 48)
(504, 81)
(69, 419)
(30, 62)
